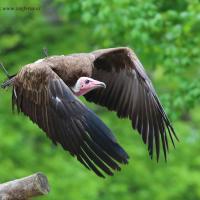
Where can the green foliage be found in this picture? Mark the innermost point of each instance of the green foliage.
(163, 33)
(165, 36)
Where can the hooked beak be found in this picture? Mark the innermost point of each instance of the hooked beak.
(98, 84)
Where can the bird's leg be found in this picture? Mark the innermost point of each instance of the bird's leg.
(45, 51)
(4, 70)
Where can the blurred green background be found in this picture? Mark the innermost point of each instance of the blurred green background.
(166, 37)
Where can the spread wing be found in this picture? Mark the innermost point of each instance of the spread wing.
(131, 94)
(39, 93)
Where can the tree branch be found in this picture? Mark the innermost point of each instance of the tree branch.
(25, 188)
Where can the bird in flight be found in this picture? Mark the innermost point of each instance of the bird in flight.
(47, 92)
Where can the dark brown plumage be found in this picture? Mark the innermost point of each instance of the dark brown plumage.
(131, 94)
(41, 90)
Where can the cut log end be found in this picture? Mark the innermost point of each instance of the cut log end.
(25, 188)
(42, 183)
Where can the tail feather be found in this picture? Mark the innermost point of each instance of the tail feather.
(8, 82)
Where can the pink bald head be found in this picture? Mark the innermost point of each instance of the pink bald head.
(85, 85)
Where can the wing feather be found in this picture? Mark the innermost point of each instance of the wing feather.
(131, 94)
(66, 120)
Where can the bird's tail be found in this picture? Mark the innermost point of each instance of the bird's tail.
(9, 82)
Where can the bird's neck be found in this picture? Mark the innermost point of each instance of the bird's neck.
(76, 90)
(79, 92)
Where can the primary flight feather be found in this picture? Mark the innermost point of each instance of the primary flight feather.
(47, 92)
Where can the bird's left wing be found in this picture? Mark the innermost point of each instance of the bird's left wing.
(130, 93)
(39, 93)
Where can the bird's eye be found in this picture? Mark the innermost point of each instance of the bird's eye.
(87, 81)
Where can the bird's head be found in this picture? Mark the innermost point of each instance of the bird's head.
(85, 85)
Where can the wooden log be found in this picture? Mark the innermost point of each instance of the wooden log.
(25, 188)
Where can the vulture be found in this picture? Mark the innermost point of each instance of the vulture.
(47, 92)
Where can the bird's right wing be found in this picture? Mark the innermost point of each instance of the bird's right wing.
(39, 93)
(131, 94)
